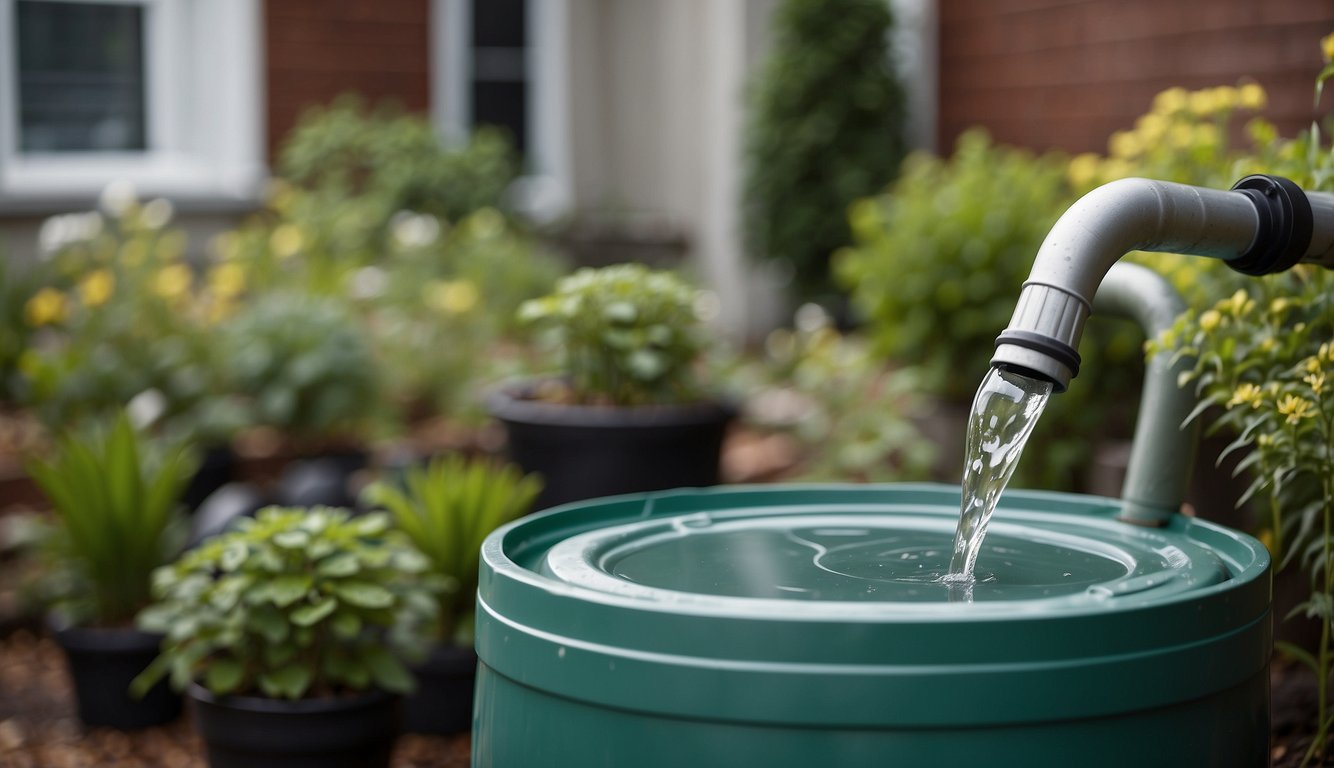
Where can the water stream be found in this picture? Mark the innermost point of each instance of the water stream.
(1005, 409)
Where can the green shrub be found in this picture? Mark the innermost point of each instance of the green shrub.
(627, 335)
(396, 160)
(294, 603)
(825, 128)
(301, 364)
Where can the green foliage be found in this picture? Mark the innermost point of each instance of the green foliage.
(447, 508)
(938, 261)
(17, 288)
(629, 335)
(301, 364)
(294, 603)
(119, 312)
(1264, 362)
(395, 160)
(937, 267)
(834, 394)
(115, 505)
(825, 128)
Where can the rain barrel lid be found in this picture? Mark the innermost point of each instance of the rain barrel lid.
(709, 596)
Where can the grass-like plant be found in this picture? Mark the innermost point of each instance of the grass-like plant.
(447, 508)
(292, 604)
(115, 503)
(629, 335)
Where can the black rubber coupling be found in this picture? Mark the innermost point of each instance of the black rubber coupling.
(1057, 350)
(1284, 232)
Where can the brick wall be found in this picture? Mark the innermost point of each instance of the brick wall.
(318, 49)
(1067, 73)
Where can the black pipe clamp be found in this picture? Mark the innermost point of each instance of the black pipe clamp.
(1285, 223)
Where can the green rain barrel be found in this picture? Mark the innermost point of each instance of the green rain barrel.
(806, 626)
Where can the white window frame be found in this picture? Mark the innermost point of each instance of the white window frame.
(203, 103)
(548, 184)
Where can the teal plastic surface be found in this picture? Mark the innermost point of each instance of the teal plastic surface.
(802, 625)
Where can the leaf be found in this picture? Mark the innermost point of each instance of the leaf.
(289, 682)
(387, 671)
(233, 556)
(364, 594)
(342, 564)
(269, 623)
(346, 625)
(308, 615)
(289, 587)
(1298, 653)
(223, 675)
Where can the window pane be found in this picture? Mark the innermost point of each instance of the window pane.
(81, 76)
(505, 106)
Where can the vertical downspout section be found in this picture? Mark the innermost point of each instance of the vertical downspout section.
(1163, 450)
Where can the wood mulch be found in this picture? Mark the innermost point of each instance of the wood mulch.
(39, 728)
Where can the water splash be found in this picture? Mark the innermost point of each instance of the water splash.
(1005, 409)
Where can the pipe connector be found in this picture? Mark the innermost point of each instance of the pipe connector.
(1263, 225)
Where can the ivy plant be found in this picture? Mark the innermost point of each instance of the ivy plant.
(291, 604)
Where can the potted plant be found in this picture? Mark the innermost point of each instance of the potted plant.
(626, 412)
(289, 635)
(447, 508)
(114, 504)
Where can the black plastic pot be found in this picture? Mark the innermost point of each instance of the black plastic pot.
(253, 732)
(442, 704)
(102, 662)
(584, 452)
(216, 467)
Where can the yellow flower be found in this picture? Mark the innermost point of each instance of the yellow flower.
(1225, 97)
(1124, 144)
(172, 282)
(1169, 101)
(46, 306)
(1206, 134)
(1268, 344)
(226, 280)
(1246, 394)
(287, 240)
(1151, 127)
(97, 287)
(1238, 305)
(1294, 408)
(1316, 381)
(1083, 170)
(1252, 95)
(1326, 352)
(1279, 306)
(280, 195)
(1312, 364)
(1181, 135)
(1327, 47)
(1203, 103)
(452, 297)
(1209, 320)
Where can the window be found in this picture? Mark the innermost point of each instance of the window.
(162, 93)
(503, 63)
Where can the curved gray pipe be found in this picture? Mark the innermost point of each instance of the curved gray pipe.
(1141, 214)
(1163, 450)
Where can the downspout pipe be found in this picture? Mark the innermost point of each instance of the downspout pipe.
(1163, 451)
(1263, 225)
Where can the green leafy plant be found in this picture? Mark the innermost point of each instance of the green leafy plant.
(1264, 365)
(301, 364)
(628, 335)
(851, 415)
(115, 501)
(396, 160)
(826, 127)
(294, 603)
(447, 508)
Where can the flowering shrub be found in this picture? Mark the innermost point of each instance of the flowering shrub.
(122, 314)
(1264, 361)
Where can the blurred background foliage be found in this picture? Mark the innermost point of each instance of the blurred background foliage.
(825, 126)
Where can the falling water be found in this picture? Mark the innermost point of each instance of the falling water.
(1006, 407)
